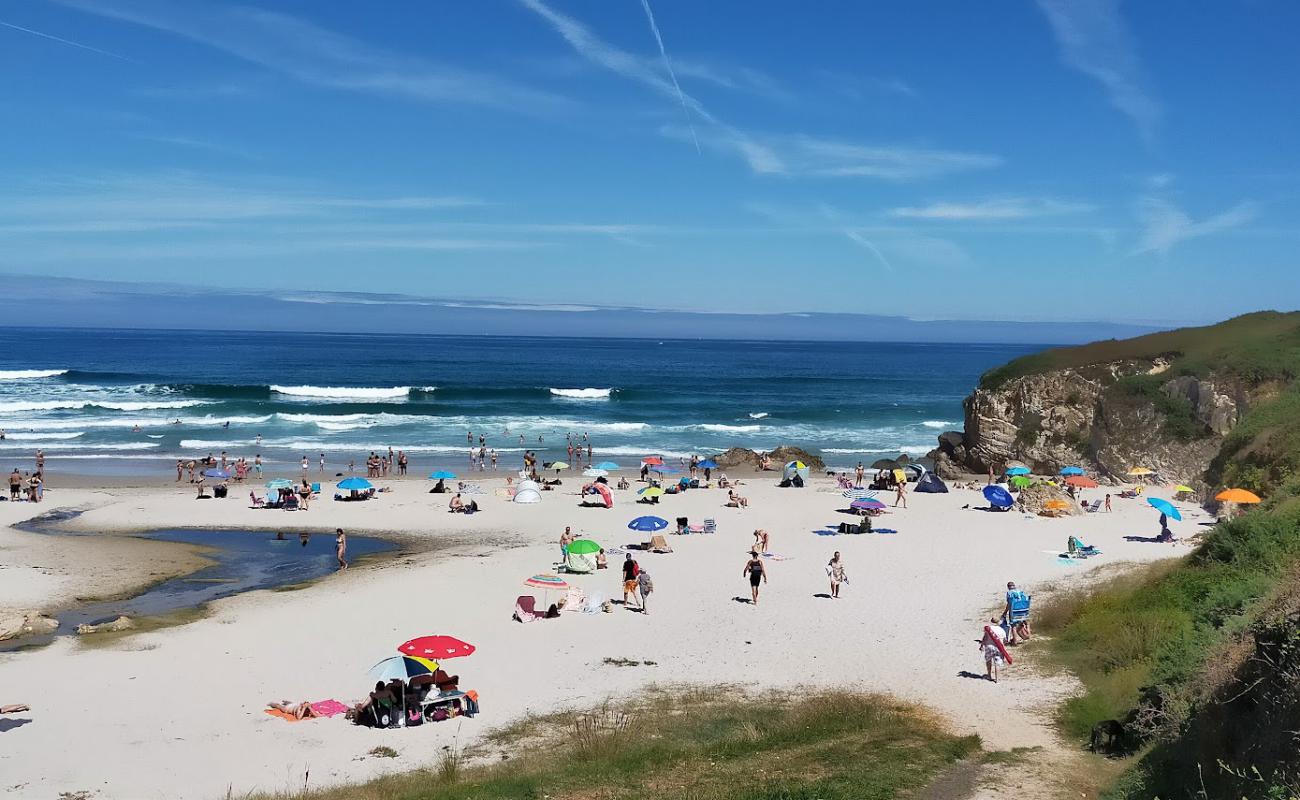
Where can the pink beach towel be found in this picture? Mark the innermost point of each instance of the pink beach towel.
(329, 708)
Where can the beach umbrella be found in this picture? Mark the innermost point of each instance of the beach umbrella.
(1067, 471)
(648, 524)
(652, 460)
(1237, 496)
(998, 496)
(355, 484)
(279, 483)
(708, 463)
(1020, 481)
(401, 667)
(583, 547)
(1141, 471)
(1018, 471)
(1165, 507)
(609, 465)
(1056, 505)
(650, 491)
(547, 581)
(442, 475)
(436, 648)
(857, 494)
(223, 474)
(867, 503)
(558, 465)
(1081, 482)
(592, 472)
(1181, 488)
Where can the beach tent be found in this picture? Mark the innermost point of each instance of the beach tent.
(581, 556)
(795, 468)
(930, 484)
(914, 472)
(528, 492)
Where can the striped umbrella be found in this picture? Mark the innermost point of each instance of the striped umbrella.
(857, 494)
(403, 667)
(547, 581)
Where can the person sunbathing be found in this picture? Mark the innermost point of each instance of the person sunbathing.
(301, 710)
(736, 501)
(16, 708)
(456, 505)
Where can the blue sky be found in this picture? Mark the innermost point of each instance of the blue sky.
(1033, 160)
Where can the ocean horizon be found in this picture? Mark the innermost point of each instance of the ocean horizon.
(134, 401)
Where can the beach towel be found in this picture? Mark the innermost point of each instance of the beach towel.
(329, 708)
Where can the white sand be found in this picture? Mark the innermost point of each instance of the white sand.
(177, 713)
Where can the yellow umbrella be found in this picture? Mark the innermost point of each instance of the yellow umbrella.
(1141, 471)
(1056, 504)
(1181, 488)
(1237, 496)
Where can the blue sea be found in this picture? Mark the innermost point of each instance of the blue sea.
(125, 401)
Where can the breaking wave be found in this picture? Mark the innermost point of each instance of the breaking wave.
(344, 392)
(583, 394)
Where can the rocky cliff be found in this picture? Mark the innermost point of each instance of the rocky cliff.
(1167, 402)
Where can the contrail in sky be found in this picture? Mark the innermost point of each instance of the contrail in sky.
(66, 41)
(668, 63)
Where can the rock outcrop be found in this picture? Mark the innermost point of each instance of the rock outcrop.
(1106, 418)
(14, 625)
(742, 457)
(120, 624)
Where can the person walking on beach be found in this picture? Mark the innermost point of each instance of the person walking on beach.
(566, 539)
(340, 548)
(859, 475)
(757, 574)
(835, 571)
(646, 586)
(180, 468)
(494, 459)
(305, 467)
(631, 570)
(401, 462)
(257, 465)
(991, 645)
(900, 494)
(1108, 503)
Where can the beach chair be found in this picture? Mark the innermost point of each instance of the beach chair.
(1019, 614)
(683, 525)
(710, 525)
(291, 503)
(526, 608)
(255, 500)
(659, 544)
(315, 488)
(1094, 506)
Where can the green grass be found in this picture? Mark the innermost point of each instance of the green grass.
(1253, 347)
(1159, 627)
(697, 746)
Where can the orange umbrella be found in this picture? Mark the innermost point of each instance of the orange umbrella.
(1056, 504)
(1237, 496)
(1081, 482)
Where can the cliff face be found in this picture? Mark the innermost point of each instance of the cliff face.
(1105, 417)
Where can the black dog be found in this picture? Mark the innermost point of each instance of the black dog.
(1108, 736)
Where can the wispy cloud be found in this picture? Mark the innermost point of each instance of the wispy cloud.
(994, 209)
(68, 42)
(314, 55)
(1094, 40)
(193, 144)
(860, 87)
(765, 154)
(1165, 225)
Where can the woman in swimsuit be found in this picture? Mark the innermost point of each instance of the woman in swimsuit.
(301, 710)
(340, 548)
(757, 574)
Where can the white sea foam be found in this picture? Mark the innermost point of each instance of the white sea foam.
(758, 415)
(200, 444)
(81, 446)
(726, 428)
(938, 423)
(620, 450)
(45, 437)
(343, 426)
(76, 405)
(344, 392)
(583, 394)
(29, 374)
(137, 457)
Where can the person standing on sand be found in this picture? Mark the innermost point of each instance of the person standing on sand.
(646, 586)
(401, 462)
(305, 467)
(990, 644)
(494, 459)
(257, 465)
(180, 467)
(340, 548)
(900, 494)
(630, 571)
(835, 570)
(859, 475)
(1108, 503)
(322, 463)
(757, 574)
(566, 539)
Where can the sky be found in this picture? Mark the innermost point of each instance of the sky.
(1038, 161)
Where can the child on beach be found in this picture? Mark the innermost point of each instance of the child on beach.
(835, 571)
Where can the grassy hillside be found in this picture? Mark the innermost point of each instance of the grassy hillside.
(1254, 347)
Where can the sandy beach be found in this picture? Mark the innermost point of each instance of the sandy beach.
(191, 696)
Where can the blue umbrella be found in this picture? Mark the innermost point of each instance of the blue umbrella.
(998, 496)
(708, 463)
(1018, 471)
(355, 484)
(442, 475)
(1072, 471)
(607, 465)
(1165, 507)
(648, 524)
(216, 473)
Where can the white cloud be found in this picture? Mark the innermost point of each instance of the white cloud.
(317, 56)
(993, 209)
(1165, 226)
(1095, 41)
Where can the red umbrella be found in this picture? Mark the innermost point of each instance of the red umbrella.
(1081, 482)
(653, 461)
(437, 647)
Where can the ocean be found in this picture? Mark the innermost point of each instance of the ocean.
(108, 401)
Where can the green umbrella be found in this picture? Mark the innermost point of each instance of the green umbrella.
(582, 547)
(280, 483)
(1020, 481)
